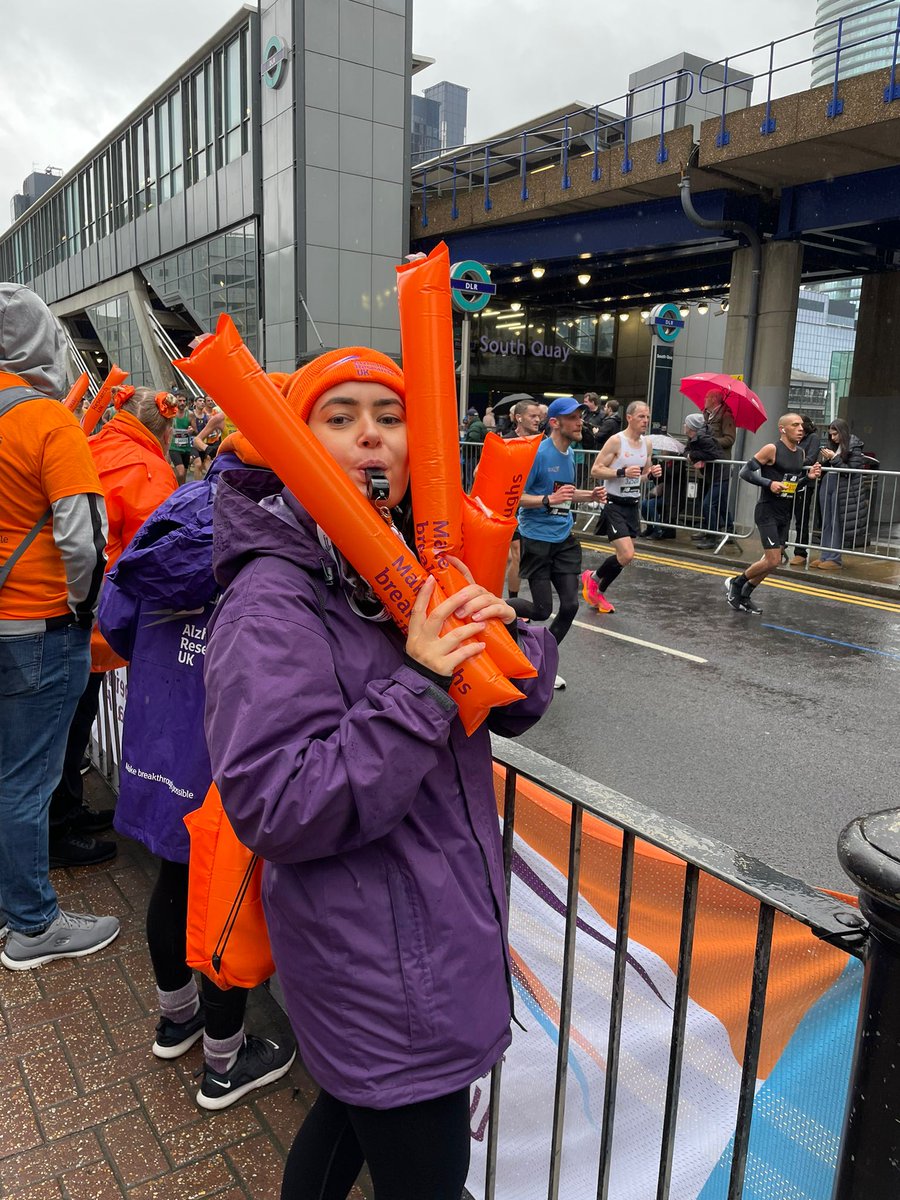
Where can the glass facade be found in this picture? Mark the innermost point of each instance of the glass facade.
(425, 128)
(200, 125)
(453, 101)
(118, 333)
(212, 277)
(867, 38)
(542, 349)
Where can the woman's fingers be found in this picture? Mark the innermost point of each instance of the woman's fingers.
(461, 567)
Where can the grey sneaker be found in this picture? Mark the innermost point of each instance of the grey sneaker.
(70, 935)
(4, 930)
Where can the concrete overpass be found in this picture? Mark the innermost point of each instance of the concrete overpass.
(819, 188)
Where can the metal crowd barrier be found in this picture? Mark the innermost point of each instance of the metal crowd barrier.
(702, 859)
(847, 511)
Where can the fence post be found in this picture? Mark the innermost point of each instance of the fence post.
(869, 1157)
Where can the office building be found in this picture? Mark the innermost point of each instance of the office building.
(266, 178)
(866, 34)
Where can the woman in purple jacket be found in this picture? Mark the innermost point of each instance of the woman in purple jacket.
(341, 761)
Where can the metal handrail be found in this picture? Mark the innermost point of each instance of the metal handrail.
(707, 86)
(478, 166)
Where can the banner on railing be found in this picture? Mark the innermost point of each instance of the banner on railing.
(811, 1008)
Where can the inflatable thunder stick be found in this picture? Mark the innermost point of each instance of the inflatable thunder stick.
(228, 372)
(103, 399)
(77, 391)
(426, 334)
(489, 513)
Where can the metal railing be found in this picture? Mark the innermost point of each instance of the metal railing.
(847, 511)
(584, 132)
(588, 131)
(829, 919)
(846, 39)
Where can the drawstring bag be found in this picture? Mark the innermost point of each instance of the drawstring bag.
(227, 938)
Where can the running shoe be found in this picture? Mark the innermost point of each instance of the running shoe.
(259, 1062)
(69, 935)
(748, 605)
(732, 594)
(174, 1038)
(559, 683)
(592, 594)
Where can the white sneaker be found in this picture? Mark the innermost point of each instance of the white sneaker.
(559, 683)
(69, 935)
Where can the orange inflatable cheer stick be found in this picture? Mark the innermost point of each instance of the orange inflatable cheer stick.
(102, 400)
(489, 517)
(486, 538)
(502, 470)
(77, 391)
(228, 372)
(426, 332)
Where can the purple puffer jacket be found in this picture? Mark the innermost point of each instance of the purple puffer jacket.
(349, 773)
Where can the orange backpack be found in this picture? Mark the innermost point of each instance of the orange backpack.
(227, 938)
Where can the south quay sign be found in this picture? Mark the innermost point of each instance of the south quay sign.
(274, 63)
(470, 286)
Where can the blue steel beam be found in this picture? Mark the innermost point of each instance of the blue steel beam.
(867, 199)
(645, 225)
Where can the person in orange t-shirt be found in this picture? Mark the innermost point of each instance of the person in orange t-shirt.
(130, 454)
(52, 536)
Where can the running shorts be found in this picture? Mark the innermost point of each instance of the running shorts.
(620, 520)
(773, 525)
(543, 560)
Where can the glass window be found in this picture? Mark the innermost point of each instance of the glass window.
(165, 154)
(232, 111)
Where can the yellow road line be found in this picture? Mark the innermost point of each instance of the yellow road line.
(785, 585)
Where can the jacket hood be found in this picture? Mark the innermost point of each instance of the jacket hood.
(242, 530)
(32, 344)
(170, 560)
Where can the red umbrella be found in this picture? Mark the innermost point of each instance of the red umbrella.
(744, 404)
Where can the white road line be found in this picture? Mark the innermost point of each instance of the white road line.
(623, 637)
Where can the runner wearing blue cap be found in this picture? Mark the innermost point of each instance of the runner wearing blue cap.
(551, 554)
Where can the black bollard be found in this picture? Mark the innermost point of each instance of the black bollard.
(869, 1157)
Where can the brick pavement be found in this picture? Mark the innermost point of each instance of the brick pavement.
(86, 1111)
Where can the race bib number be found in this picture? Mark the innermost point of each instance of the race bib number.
(561, 509)
(631, 487)
(789, 486)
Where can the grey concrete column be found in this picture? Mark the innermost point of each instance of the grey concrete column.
(874, 399)
(771, 380)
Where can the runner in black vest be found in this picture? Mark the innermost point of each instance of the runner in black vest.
(778, 471)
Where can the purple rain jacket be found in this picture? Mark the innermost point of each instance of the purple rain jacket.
(154, 609)
(349, 773)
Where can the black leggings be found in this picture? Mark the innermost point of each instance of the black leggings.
(415, 1152)
(540, 606)
(167, 938)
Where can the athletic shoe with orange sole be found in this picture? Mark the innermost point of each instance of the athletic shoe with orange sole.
(592, 594)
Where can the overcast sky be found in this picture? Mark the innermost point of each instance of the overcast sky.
(72, 71)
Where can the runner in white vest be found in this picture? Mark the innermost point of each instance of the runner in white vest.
(622, 464)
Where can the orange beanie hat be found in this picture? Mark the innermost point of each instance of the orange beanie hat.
(356, 364)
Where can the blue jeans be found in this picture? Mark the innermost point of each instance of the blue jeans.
(832, 532)
(715, 513)
(42, 676)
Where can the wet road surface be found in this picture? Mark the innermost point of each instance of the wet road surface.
(783, 731)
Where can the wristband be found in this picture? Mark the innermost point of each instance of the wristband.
(620, 474)
(545, 501)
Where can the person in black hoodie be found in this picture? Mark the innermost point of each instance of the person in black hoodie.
(805, 504)
(843, 501)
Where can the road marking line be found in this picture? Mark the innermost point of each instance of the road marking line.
(624, 637)
(784, 585)
(818, 637)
